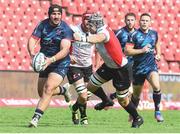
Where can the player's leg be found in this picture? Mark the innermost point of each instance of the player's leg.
(50, 85)
(75, 77)
(122, 85)
(154, 81)
(113, 96)
(137, 89)
(87, 74)
(101, 76)
(41, 82)
(81, 102)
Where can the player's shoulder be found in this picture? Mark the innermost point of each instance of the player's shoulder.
(120, 31)
(152, 31)
(43, 22)
(64, 24)
(135, 33)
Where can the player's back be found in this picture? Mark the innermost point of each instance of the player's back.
(110, 50)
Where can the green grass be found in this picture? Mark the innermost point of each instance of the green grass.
(58, 120)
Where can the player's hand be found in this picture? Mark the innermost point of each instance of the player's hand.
(147, 48)
(46, 63)
(32, 56)
(79, 37)
(158, 57)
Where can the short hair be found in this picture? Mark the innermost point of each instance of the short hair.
(54, 8)
(145, 14)
(130, 14)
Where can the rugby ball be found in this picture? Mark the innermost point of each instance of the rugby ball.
(38, 62)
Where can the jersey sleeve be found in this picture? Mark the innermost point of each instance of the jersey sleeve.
(156, 37)
(68, 33)
(38, 30)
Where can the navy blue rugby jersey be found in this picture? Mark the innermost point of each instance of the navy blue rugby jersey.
(146, 61)
(51, 37)
(124, 36)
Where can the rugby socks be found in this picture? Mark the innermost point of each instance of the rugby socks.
(101, 94)
(75, 106)
(135, 101)
(113, 96)
(61, 90)
(157, 99)
(131, 109)
(82, 109)
(38, 114)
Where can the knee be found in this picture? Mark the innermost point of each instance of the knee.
(82, 99)
(123, 101)
(123, 97)
(156, 88)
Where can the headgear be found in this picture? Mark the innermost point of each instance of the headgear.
(97, 20)
(54, 8)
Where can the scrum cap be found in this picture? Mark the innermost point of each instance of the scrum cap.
(97, 20)
(86, 15)
(54, 8)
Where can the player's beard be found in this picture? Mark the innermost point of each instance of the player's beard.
(55, 22)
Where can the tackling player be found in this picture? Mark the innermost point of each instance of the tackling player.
(144, 42)
(115, 67)
(53, 35)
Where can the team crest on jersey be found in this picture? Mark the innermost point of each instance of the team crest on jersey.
(141, 38)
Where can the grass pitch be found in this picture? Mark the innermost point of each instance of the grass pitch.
(58, 120)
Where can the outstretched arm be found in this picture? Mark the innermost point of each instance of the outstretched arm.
(32, 43)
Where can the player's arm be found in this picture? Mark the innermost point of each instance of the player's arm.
(32, 42)
(64, 51)
(93, 39)
(157, 49)
(131, 51)
(96, 38)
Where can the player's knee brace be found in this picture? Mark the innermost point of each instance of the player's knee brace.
(95, 81)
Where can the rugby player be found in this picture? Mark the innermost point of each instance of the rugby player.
(144, 42)
(54, 37)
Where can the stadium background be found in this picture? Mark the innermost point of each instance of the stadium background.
(19, 17)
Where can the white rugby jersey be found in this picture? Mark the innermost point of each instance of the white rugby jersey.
(82, 51)
(110, 50)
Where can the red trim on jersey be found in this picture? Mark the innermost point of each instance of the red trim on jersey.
(113, 47)
(70, 49)
(35, 37)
